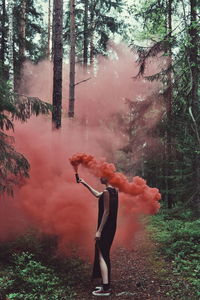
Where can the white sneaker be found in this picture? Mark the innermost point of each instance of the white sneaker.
(100, 287)
(101, 292)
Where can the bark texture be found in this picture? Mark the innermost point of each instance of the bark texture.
(49, 41)
(10, 43)
(169, 184)
(2, 37)
(72, 60)
(85, 38)
(22, 32)
(193, 95)
(57, 62)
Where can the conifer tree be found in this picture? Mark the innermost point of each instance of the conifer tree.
(180, 45)
(22, 33)
(10, 43)
(2, 33)
(169, 100)
(72, 60)
(57, 62)
(49, 41)
(95, 22)
(193, 96)
(85, 34)
(14, 167)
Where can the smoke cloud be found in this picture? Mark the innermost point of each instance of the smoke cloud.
(51, 199)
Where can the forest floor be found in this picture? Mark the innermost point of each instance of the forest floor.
(138, 274)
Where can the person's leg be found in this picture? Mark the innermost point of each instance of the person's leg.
(104, 271)
(103, 268)
(105, 289)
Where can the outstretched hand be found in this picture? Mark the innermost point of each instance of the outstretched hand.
(81, 180)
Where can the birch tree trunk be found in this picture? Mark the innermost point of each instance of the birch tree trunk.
(10, 43)
(57, 62)
(3, 42)
(72, 60)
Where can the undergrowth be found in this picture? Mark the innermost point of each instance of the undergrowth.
(178, 239)
(30, 269)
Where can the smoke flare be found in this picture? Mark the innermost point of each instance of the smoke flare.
(137, 188)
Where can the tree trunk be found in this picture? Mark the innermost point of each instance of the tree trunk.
(92, 33)
(10, 43)
(22, 34)
(3, 42)
(57, 62)
(193, 96)
(72, 60)
(49, 42)
(169, 98)
(193, 32)
(85, 35)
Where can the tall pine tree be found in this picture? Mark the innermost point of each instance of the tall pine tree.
(57, 62)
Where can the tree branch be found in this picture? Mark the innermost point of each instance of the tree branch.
(82, 81)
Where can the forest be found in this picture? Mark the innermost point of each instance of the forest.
(111, 86)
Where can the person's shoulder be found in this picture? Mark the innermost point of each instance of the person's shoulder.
(112, 188)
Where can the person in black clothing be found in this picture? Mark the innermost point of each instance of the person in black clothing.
(106, 228)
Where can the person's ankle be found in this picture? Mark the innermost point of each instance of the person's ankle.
(106, 286)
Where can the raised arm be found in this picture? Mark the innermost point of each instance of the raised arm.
(93, 191)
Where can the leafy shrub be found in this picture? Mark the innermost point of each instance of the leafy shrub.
(30, 279)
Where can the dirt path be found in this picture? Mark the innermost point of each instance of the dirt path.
(136, 274)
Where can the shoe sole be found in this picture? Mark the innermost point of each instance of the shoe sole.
(101, 295)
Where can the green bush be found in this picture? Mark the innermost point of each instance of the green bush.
(30, 279)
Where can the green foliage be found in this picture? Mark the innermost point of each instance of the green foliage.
(177, 167)
(101, 24)
(30, 268)
(14, 166)
(31, 241)
(34, 31)
(151, 16)
(178, 238)
(28, 278)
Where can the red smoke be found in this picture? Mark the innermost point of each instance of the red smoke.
(139, 191)
(51, 199)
